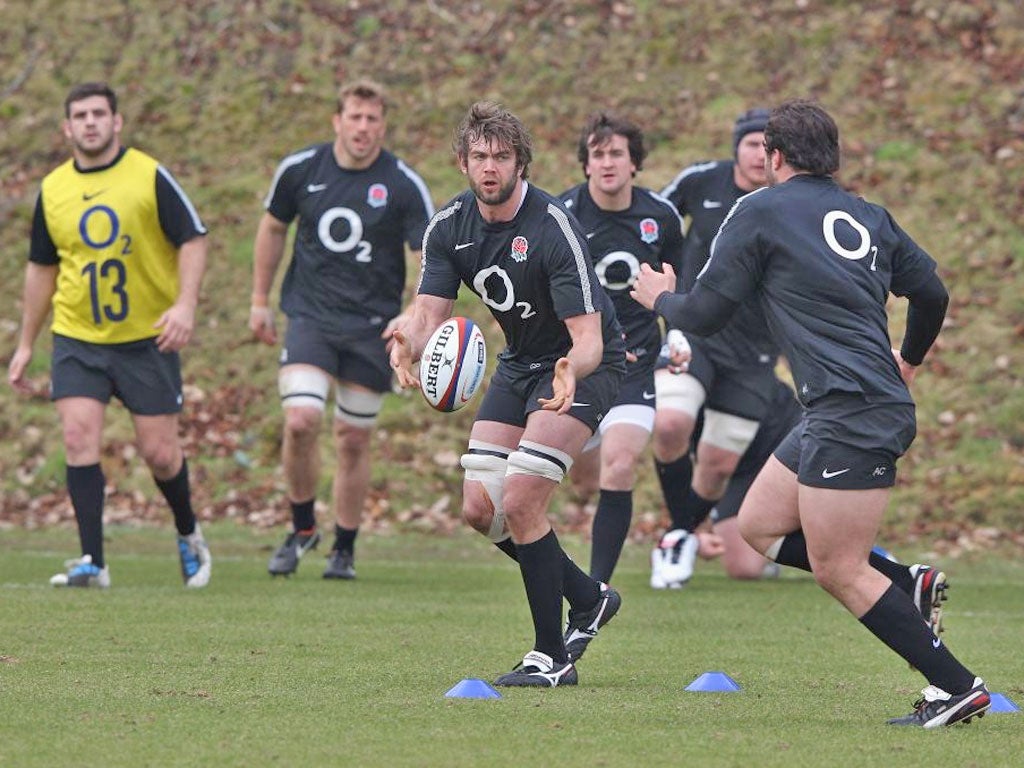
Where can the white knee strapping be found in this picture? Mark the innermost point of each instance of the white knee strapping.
(679, 392)
(638, 415)
(303, 386)
(358, 407)
(489, 471)
(728, 432)
(539, 460)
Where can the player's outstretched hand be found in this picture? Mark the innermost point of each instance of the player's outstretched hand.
(175, 326)
(393, 325)
(401, 359)
(563, 385)
(261, 323)
(649, 284)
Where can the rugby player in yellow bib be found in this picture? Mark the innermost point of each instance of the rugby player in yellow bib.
(118, 251)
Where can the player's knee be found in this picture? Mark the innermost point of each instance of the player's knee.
(302, 422)
(352, 442)
(719, 465)
(752, 534)
(163, 457)
(304, 397)
(834, 576)
(671, 437)
(679, 401)
(79, 442)
(477, 513)
(618, 472)
(483, 492)
(745, 568)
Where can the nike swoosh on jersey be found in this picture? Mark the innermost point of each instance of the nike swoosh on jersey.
(460, 246)
(712, 203)
(647, 395)
(316, 187)
(590, 234)
(829, 475)
(94, 194)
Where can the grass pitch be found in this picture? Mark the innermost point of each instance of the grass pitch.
(300, 671)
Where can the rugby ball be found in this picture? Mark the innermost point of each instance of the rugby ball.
(453, 364)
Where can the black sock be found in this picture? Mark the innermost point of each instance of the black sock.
(541, 565)
(793, 553)
(508, 547)
(695, 510)
(675, 477)
(898, 573)
(303, 516)
(579, 590)
(610, 528)
(85, 487)
(345, 539)
(179, 497)
(896, 622)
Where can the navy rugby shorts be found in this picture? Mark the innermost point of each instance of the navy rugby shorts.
(846, 442)
(138, 374)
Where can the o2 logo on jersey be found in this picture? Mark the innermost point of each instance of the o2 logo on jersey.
(377, 196)
(100, 228)
(617, 270)
(864, 246)
(354, 241)
(648, 230)
(519, 248)
(493, 299)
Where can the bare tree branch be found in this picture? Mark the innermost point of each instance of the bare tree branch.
(26, 71)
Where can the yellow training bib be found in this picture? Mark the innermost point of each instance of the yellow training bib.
(118, 272)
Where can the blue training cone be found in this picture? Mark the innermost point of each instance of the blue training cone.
(472, 688)
(714, 682)
(1001, 703)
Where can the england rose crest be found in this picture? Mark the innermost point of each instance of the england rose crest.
(377, 196)
(519, 248)
(648, 230)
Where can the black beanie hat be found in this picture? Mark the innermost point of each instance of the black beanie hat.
(751, 121)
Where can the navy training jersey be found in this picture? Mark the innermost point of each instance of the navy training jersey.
(532, 273)
(822, 263)
(704, 193)
(348, 268)
(648, 232)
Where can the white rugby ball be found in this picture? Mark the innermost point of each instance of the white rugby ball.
(453, 364)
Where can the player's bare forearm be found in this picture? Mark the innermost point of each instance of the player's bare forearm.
(178, 322)
(426, 313)
(191, 268)
(268, 251)
(587, 343)
(40, 285)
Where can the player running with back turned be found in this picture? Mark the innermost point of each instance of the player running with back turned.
(822, 263)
